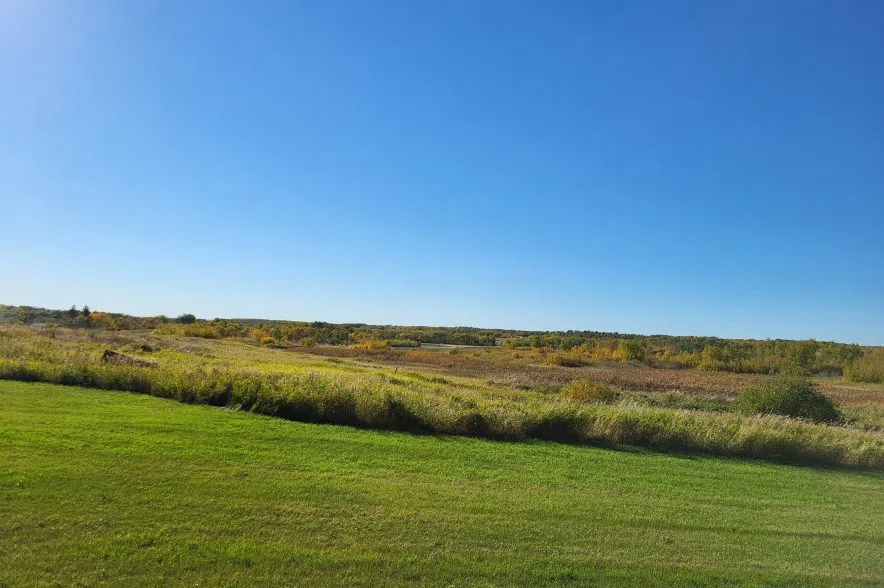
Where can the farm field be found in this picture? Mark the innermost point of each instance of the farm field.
(127, 489)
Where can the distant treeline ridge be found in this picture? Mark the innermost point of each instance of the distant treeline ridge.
(567, 347)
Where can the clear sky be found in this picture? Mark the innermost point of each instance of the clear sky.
(680, 167)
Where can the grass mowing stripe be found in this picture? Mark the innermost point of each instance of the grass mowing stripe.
(131, 490)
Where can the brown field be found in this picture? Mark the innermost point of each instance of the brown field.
(529, 370)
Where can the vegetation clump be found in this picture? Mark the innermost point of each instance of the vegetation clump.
(568, 360)
(111, 356)
(588, 391)
(631, 350)
(371, 344)
(869, 368)
(789, 395)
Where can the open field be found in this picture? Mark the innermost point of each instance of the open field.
(353, 391)
(123, 489)
(531, 370)
(373, 392)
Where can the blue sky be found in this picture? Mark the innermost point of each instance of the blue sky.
(681, 167)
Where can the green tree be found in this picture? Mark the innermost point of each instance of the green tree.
(802, 354)
(712, 358)
(630, 349)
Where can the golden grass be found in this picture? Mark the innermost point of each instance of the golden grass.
(357, 392)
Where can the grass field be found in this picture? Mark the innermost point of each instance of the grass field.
(125, 489)
(417, 398)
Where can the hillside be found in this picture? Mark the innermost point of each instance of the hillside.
(569, 348)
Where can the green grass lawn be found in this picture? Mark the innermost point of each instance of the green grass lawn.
(125, 489)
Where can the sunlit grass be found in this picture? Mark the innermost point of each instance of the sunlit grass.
(104, 487)
(353, 392)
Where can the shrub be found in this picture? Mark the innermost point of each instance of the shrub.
(869, 368)
(712, 358)
(204, 330)
(588, 391)
(789, 395)
(568, 360)
(371, 344)
(631, 349)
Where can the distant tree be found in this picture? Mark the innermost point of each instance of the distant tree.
(86, 311)
(630, 349)
(73, 312)
(803, 353)
(186, 319)
(712, 358)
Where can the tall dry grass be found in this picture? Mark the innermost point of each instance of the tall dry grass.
(342, 393)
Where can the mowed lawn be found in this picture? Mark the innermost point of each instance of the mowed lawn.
(124, 489)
